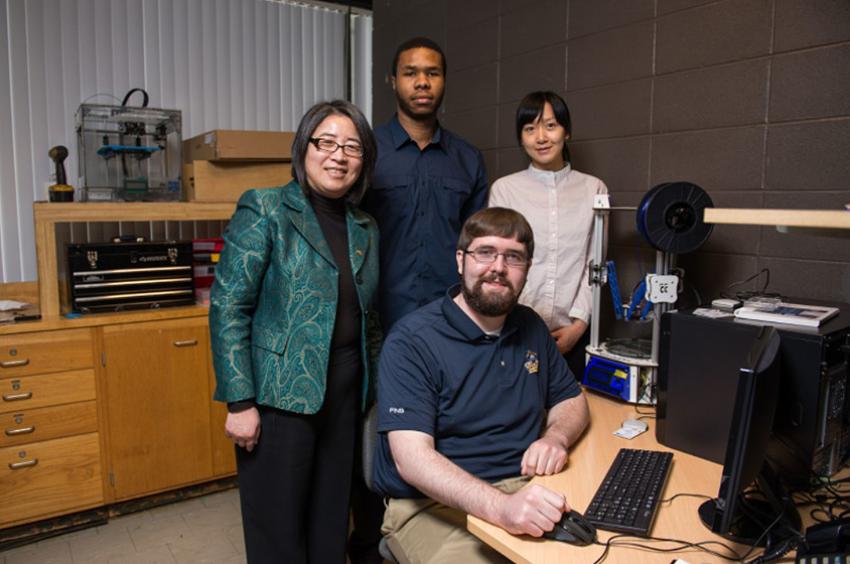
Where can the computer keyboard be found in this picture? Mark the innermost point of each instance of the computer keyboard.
(627, 499)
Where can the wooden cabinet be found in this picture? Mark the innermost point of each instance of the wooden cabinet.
(50, 456)
(106, 407)
(158, 404)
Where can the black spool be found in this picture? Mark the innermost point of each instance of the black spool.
(670, 217)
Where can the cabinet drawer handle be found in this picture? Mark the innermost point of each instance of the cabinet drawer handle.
(24, 464)
(14, 363)
(17, 397)
(21, 431)
(188, 343)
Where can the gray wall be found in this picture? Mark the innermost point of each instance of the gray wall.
(748, 98)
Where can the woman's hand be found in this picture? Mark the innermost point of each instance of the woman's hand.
(566, 337)
(243, 428)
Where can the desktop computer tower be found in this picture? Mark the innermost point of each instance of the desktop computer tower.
(697, 379)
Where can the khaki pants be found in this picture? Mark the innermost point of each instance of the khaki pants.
(422, 531)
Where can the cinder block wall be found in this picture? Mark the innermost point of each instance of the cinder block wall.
(748, 98)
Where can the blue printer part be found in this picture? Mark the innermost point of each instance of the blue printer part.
(615, 289)
(110, 151)
(637, 297)
(608, 376)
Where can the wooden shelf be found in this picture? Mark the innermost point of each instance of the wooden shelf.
(49, 214)
(815, 219)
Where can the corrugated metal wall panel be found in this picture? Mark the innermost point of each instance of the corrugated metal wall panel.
(232, 64)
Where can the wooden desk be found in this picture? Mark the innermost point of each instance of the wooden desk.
(589, 461)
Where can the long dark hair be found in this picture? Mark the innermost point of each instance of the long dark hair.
(311, 120)
(531, 108)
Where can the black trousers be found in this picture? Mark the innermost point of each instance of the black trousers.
(367, 512)
(295, 485)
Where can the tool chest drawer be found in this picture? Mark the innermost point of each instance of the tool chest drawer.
(44, 352)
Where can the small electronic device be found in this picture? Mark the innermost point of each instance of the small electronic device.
(627, 499)
(631, 428)
(752, 506)
(826, 542)
(726, 304)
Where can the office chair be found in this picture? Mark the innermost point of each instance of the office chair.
(370, 441)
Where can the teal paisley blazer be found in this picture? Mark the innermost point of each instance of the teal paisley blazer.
(273, 303)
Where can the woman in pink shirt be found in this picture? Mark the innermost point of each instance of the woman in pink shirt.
(558, 203)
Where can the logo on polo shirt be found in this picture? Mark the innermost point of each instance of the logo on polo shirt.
(397, 410)
(532, 364)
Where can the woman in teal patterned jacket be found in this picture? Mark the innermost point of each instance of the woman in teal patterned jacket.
(294, 339)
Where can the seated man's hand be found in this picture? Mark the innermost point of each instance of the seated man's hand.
(544, 457)
(532, 510)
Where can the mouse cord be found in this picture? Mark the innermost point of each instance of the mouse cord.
(679, 546)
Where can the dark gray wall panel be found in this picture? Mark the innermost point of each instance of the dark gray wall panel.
(478, 126)
(544, 69)
(809, 156)
(726, 95)
(806, 23)
(472, 45)
(617, 110)
(590, 16)
(624, 53)
(811, 84)
(723, 159)
(537, 24)
(717, 33)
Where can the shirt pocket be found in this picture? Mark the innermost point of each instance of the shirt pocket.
(453, 195)
(392, 181)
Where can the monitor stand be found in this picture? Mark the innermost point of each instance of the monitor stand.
(757, 510)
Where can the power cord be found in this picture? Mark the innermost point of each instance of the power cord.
(650, 414)
(773, 551)
(745, 294)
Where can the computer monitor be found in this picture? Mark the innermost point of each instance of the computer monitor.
(751, 497)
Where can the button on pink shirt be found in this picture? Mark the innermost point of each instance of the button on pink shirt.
(559, 207)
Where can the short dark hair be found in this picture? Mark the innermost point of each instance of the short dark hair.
(414, 43)
(311, 120)
(497, 222)
(531, 107)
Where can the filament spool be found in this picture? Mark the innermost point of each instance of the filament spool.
(670, 217)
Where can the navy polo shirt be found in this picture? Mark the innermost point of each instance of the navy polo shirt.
(481, 397)
(420, 199)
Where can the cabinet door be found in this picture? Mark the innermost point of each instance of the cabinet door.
(158, 405)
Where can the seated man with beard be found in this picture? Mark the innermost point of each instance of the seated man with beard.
(464, 386)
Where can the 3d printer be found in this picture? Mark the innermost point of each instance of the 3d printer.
(128, 153)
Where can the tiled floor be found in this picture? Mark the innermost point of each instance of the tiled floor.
(201, 530)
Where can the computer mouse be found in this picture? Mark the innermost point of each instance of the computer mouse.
(574, 529)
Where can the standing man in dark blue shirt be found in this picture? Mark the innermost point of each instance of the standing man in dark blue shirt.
(428, 181)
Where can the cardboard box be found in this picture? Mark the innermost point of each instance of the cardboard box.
(236, 145)
(207, 181)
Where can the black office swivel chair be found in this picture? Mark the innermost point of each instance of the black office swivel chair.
(370, 441)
